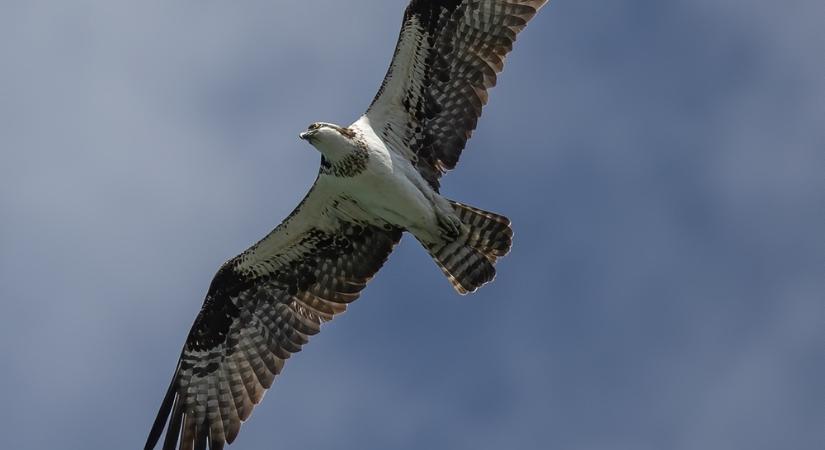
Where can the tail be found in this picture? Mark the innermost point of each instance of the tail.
(467, 260)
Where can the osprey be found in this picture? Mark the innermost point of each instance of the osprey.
(379, 177)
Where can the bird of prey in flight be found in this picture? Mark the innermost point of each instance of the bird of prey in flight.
(379, 178)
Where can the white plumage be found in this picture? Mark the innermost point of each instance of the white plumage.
(378, 178)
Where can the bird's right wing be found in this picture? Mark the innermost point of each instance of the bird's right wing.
(260, 308)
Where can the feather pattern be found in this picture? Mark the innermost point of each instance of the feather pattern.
(262, 307)
(448, 55)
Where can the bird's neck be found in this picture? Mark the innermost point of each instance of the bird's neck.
(347, 165)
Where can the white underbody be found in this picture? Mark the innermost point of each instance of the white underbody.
(390, 190)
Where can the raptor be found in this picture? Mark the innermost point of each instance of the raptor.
(379, 177)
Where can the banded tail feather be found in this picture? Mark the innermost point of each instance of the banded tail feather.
(264, 304)
(469, 260)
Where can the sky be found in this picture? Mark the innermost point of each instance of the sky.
(662, 163)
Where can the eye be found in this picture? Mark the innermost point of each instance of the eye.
(314, 127)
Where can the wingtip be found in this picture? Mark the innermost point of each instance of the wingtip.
(162, 417)
(169, 407)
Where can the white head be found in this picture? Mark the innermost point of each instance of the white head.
(332, 141)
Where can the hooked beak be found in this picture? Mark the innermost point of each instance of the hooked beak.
(304, 135)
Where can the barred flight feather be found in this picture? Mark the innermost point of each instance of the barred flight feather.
(263, 305)
(252, 321)
(448, 56)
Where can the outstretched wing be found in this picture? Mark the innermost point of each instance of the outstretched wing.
(447, 57)
(260, 308)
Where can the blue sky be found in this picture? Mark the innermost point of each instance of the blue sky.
(662, 163)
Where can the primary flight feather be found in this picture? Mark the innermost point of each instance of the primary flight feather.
(379, 177)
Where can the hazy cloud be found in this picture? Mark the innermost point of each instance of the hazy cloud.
(661, 162)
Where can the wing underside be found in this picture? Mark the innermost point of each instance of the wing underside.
(262, 307)
(264, 304)
(448, 56)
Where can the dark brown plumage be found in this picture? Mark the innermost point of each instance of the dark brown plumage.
(251, 323)
(458, 47)
(263, 305)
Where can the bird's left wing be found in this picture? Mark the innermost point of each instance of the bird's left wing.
(448, 55)
(260, 308)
